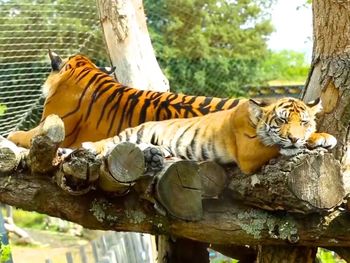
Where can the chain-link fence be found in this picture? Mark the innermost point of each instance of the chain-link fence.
(27, 30)
(210, 48)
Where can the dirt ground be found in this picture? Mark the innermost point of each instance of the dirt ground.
(50, 245)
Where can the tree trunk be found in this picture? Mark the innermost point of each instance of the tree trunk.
(130, 49)
(329, 77)
(129, 44)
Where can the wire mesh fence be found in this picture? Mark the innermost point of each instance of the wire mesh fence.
(27, 30)
(210, 48)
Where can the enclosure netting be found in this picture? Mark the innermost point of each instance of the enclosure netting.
(27, 30)
(200, 63)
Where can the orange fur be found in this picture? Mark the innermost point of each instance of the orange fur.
(247, 135)
(93, 106)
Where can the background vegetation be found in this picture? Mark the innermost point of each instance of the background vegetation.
(219, 48)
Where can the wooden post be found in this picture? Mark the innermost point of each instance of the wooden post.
(180, 250)
(280, 254)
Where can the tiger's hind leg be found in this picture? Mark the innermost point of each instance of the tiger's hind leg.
(154, 158)
(323, 140)
(23, 138)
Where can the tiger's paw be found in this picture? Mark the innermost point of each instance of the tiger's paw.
(154, 158)
(323, 140)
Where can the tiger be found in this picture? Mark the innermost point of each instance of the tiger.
(249, 135)
(94, 106)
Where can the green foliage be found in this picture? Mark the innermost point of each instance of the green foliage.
(2, 109)
(37, 25)
(326, 256)
(209, 47)
(5, 252)
(29, 219)
(284, 65)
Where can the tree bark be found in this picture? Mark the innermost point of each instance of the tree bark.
(329, 77)
(223, 222)
(129, 44)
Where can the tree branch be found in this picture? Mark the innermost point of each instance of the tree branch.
(172, 202)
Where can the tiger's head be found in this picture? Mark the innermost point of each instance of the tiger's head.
(288, 122)
(61, 67)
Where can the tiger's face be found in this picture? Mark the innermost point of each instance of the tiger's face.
(287, 123)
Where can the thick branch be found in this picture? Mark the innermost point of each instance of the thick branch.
(223, 221)
(153, 200)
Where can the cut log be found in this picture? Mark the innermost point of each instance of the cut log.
(107, 183)
(213, 179)
(10, 155)
(126, 162)
(178, 189)
(78, 172)
(310, 182)
(44, 146)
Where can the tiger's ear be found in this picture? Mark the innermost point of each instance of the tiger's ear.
(315, 105)
(107, 70)
(56, 61)
(255, 110)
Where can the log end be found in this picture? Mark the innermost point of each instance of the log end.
(179, 191)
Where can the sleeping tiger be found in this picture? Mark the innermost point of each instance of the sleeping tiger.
(249, 135)
(93, 106)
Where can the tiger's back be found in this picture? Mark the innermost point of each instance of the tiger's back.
(249, 135)
(93, 106)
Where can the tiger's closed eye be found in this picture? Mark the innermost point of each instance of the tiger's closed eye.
(305, 122)
(280, 121)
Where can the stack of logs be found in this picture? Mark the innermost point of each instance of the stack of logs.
(192, 198)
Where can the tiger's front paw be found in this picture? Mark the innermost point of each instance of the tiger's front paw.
(101, 149)
(323, 140)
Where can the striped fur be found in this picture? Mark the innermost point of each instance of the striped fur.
(93, 106)
(248, 135)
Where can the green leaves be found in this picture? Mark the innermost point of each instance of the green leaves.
(210, 47)
(2, 109)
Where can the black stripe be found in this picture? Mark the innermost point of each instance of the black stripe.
(75, 137)
(95, 96)
(139, 134)
(134, 100)
(75, 127)
(194, 142)
(121, 120)
(108, 101)
(233, 104)
(204, 152)
(143, 111)
(82, 74)
(181, 137)
(92, 80)
(153, 139)
(120, 96)
(204, 107)
(221, 104)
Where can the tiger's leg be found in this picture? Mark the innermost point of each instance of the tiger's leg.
(323, 140)
(23, 138)
(154, 155)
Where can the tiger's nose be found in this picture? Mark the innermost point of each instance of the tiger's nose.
(292, 138)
